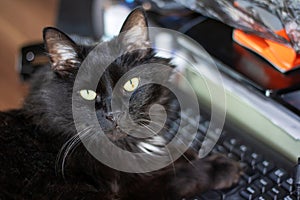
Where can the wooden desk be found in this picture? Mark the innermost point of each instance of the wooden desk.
(21, 22)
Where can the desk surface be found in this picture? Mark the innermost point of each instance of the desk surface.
(21, 22)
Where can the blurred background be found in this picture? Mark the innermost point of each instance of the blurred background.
(21, 23)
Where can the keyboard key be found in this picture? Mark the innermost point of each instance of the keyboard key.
(250, 192)
(241, 151)
(264, 184)
(250, 175)
(228, 192)
(200, 137)
(220, 149)
(288, 184)
(253, 158)
(233, 156)
(174, 127)
(203, 127)
(263, 197)
(265, 166)
(278, 175)
(277, 193)
(289, 197)
(230, 144)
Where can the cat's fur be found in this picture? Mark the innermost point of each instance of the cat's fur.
(32, 138)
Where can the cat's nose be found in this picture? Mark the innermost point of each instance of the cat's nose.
(107, 121)
(110, 117)
(113, 116)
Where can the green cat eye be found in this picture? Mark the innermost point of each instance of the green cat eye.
(131, 85)
(88, 94)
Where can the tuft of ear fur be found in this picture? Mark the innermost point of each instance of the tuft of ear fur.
(63, 52)
(134, 33)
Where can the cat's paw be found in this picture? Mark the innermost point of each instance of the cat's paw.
(213, 172)
(225, 172)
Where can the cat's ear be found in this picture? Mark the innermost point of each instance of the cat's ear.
(134, 33)
(63, 52)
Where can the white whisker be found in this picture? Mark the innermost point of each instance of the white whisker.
(68, 148)
(172, 159)
(182, 152)
(157, 140)
(151, 147)
(161, 141)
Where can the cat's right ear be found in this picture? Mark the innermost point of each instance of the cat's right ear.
(62, 50)
(134, 33)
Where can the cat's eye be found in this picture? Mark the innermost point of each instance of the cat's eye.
(88, 94)
(131, 85)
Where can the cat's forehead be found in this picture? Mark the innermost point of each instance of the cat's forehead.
(104, 61)
(111, 55)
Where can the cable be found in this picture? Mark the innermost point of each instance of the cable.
(185, 28)
(297, 179)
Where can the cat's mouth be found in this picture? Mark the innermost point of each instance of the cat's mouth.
(116, 134)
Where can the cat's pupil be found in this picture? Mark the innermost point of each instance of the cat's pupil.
(131, 84)
(88, 94)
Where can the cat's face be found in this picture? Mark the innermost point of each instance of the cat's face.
(133, 97)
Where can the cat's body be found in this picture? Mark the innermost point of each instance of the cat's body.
(32, 138)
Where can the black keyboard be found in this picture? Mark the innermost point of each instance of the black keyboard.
(267, 174)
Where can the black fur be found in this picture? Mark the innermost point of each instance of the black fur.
(42, 158)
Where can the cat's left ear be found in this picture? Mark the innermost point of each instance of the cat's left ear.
(63, 52)
(134, 33)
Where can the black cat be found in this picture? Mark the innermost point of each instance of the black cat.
(41, 151)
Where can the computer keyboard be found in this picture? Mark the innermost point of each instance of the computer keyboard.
(267, 174)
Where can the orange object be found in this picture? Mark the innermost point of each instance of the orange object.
(282, 57)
